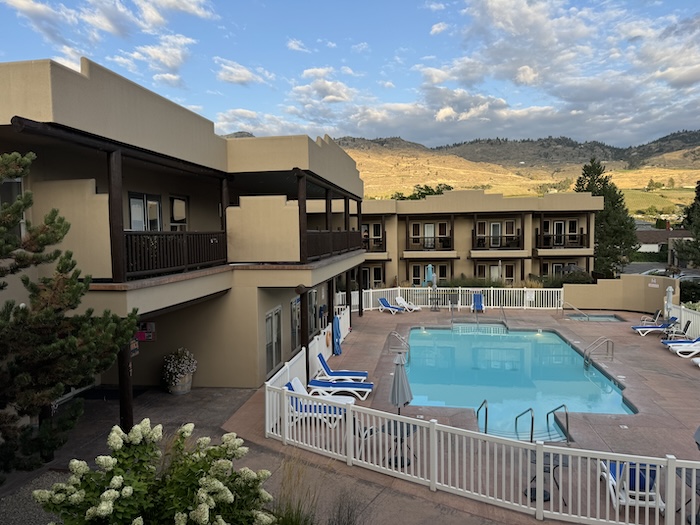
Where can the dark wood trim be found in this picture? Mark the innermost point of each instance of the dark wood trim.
(329, 209)
(304, 322)
(303, 224)
(361, 286)
(116, 216)
(126, 392)
(346, 202)
(225, 200)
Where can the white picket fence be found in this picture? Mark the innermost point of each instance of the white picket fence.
(522, 298)
(512, 474)
(684, 315)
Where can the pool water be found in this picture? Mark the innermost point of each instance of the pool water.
(513, 371)
(596, 318)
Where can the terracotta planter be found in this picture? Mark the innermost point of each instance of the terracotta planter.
(183, 387)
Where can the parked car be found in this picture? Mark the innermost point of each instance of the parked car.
(663, 272)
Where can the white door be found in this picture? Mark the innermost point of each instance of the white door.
(494, 273)
(495, 235)
(558, 233)
(273, 338)
(429, 235)
(365, 278)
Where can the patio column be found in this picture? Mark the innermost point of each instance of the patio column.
(329, 210)
(361, 279)
(348, 295)
(301, 199)
(116, 215)
(224, 202)
(304, 321)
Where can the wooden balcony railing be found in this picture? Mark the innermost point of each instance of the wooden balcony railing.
(554, 241)
(374, 244)
(497, 242)
(321, 244)
(430, 243)
(162, 253)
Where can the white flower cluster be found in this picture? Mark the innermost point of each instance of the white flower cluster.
(233, 445)
(141, 432)
(177, 365)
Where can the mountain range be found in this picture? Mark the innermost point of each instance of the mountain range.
(521, 167)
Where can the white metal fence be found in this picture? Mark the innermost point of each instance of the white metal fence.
(684, 315)
(522, 298)
(542, 480)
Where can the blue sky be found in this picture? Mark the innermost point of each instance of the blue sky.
(433, 72)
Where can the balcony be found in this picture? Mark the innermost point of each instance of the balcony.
(499, 242)
(374, 244)
(163, 253)
(322, 244)
(558, 241)
(430, 243)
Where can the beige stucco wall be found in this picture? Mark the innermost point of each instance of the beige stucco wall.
(634, 292)
(101, 102)
(87, 213)
(323, 157)
(263, 229)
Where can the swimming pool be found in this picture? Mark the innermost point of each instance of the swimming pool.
(596, 318)
(512, 370)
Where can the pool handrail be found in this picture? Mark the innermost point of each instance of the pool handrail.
(485, 405)
(609, 349)
(574, 308)
(532, 422)
(566, 415)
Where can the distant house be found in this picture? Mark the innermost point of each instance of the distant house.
(653, 241)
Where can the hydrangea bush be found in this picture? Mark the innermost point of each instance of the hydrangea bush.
(177, 365)
(138, 484)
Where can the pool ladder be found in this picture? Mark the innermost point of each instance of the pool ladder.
(485, 406)
(574, 308)
(398, 343)
(595, 345)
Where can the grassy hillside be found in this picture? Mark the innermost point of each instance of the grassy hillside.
(386, 170)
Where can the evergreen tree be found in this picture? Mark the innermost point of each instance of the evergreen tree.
(45, 346)
(421, 192)
(688, 250)
(615, 237)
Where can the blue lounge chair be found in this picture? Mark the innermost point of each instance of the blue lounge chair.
(304, 406)
(356, 388)
(384, 305)
(478, 303)
(647, 329)
(327, 374)
(632, 484)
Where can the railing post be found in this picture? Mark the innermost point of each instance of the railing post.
(350, 434)
(284, 413)
(539, 480)
(433, 467)
(670, 516)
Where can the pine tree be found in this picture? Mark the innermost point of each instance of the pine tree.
(615, 237)
(45, 347)
(688, 250)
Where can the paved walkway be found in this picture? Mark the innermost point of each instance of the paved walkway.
(662, 386)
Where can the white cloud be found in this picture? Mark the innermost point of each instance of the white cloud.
(362, 47)
(153, 13)
(318, 72)
(439, 28)
(435, 6)
(386, 84)
(168, 55)
(297, 45)
(321, 90)
(345, 70)
(445, 114)
(170, 79)
(235, 73)
(526, 75)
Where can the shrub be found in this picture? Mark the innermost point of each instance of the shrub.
(690, 291)
(139, 484)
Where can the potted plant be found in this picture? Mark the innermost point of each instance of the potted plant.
(178, 367)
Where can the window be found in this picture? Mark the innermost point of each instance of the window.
(273, 338)
(377, 276)
(510, 227)
(442, 229)
(144, 212)
(178, 214)
(495, 235)
(377, 231)
(557, 268)
(295, 309)
(10, 189)
(481, 271)
(509, 273)
(415, 275)
(545, 269)
(415, 233)
(313, 309)
(442, 272)
(558, 233)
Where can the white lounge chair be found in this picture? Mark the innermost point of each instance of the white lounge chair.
(651, 319)
(407, 305)
(327, 374)
(384, 305)
(658, 328)
(304, 405)
(633, 484)
(359, 389)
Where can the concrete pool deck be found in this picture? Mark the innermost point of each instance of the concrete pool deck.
(662, 386)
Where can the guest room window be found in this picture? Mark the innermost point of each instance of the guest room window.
(178, 214)
(273, 338)
(144, 212)
(295, 309)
